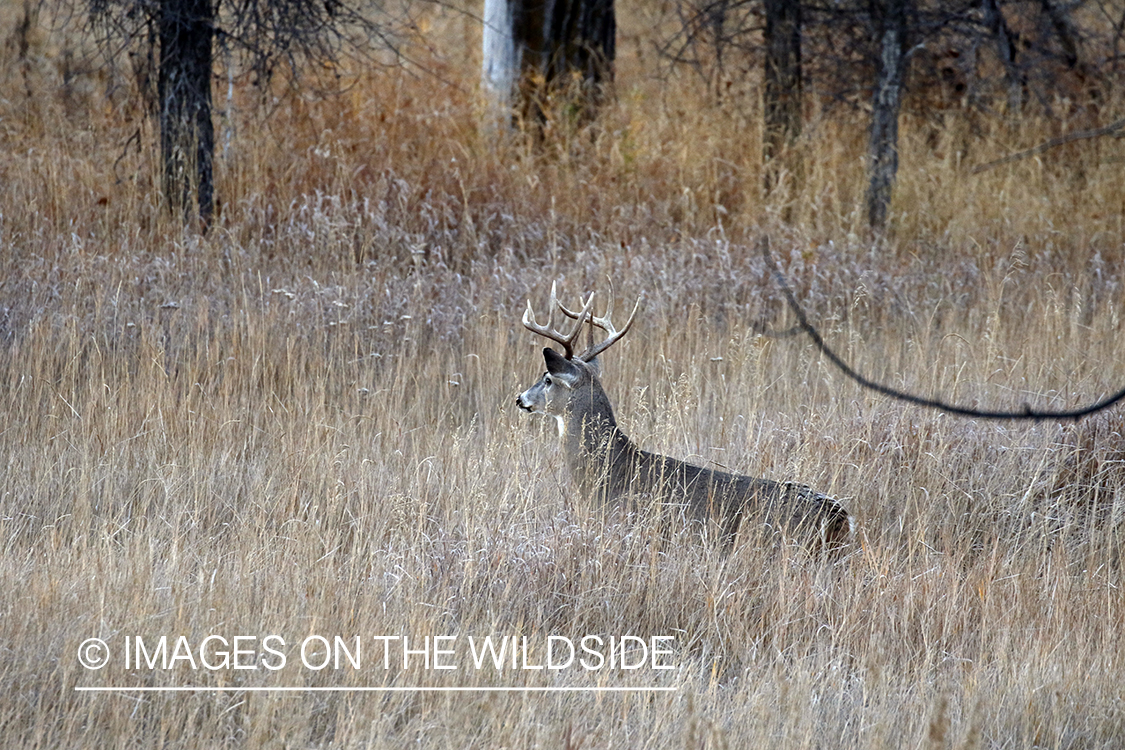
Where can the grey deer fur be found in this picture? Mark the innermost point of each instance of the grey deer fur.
(609, 468)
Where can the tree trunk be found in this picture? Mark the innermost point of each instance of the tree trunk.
(1064, 31)
(1006, 49)
(536, 49)
(887, 100)
(500, 70)
(580, 37)
(187, 135)
(781, 97)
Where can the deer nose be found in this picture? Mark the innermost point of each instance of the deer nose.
(521, 404)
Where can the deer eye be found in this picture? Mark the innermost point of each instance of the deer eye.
(547, 380)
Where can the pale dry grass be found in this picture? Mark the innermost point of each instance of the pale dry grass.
(304, 423)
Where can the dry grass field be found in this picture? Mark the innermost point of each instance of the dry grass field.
(303, 424)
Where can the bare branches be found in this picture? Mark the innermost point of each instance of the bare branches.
(1026, 414)
(1114, 129)
(292, 36)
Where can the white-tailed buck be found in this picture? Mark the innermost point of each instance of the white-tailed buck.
(608, 467)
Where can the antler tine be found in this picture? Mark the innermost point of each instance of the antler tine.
(587, 306)
(548, 331)
(606, 325)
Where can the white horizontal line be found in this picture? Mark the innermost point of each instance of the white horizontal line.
(408, 689)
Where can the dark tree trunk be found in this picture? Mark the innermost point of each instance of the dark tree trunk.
(555, 44)
(580, 37)
(187, 135)
(781, 97)
(887, 100)
(1064, 31)
(1006, 49)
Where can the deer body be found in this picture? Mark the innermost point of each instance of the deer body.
(608, 467)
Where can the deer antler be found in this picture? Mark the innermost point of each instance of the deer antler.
(547, 331)
(603, 323)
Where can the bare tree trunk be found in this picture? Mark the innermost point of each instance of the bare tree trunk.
(500, 70)
(887, 100)
(536, 48)
(1064, 30)
(781, 97)
(580, 37)
(187, 135)
(1006, 49)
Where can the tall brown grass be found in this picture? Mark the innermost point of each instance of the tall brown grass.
(302, 422)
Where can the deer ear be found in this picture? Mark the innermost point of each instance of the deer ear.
(561, 367)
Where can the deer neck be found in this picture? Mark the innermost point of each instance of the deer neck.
(594, 444)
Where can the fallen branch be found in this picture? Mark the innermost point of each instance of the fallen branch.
(1026, 413)
(1081, 135)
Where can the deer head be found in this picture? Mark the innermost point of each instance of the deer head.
(570, 390)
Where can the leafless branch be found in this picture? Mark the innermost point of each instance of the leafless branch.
(1113, 129)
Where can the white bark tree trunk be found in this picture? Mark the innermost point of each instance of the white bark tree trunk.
(535, 49)
(501, 59)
